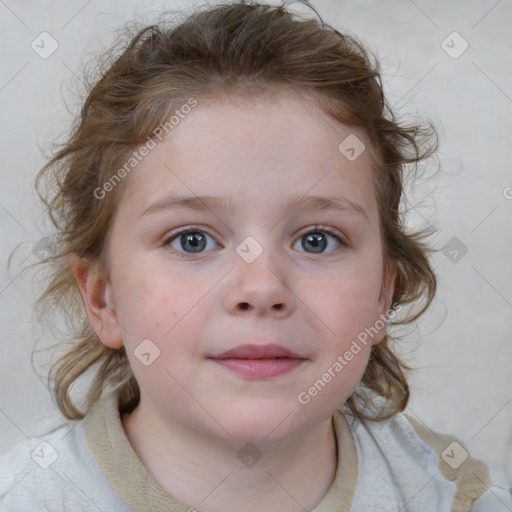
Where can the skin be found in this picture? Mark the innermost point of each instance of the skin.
(194, 415)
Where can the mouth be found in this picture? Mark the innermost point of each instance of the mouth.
(259, 361)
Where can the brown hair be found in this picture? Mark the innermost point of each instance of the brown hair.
(237, 48)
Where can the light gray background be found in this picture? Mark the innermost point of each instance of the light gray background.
(463, 347)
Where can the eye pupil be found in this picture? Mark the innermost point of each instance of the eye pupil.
(317, 242)
(195, 241)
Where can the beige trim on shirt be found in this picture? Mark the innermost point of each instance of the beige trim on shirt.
(341, 493)
(119, 462)
(470, 475)
(137, 488)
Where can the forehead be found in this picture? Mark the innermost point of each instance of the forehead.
(254, 150)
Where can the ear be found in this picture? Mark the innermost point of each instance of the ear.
(98, 301)
(385, 301)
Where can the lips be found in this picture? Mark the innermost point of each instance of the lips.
(259, 361)
(270, 351)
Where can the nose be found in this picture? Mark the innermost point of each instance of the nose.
(259, 288)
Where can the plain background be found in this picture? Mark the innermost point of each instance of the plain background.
(462, 348)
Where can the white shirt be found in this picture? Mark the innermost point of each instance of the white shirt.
(393, 465)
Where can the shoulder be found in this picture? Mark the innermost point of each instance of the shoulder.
(475, 490)
(470, 475)
(429, 466)
(54, 472)
(23, 460)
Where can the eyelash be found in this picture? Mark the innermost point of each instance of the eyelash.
(317, 229)
(325, 229)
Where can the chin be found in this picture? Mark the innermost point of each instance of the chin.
(260, 426)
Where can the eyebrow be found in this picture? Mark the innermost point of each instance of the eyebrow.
(320, 203)
(212, 203)
(198, 203)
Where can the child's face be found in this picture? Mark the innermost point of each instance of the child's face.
(199, 296)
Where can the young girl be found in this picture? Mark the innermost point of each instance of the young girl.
(230, 255)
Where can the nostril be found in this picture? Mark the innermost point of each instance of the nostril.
(245, 306)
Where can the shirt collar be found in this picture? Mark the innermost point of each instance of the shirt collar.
(137, 488)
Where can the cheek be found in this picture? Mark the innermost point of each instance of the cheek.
(149, 304)
(172, 311)
(146, 308)
(347, 304)
(163, 310)
(346, 346)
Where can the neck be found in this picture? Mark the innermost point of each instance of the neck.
(216, 475)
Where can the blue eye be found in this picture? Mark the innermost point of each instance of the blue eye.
(318, 240)
(191, 241)
(194, 241)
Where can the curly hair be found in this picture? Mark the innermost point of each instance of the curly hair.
(231, 48)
